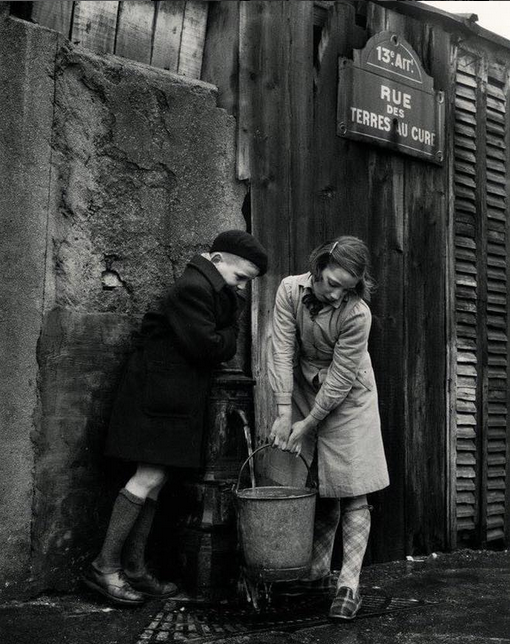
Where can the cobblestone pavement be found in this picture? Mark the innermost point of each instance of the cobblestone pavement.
(461, 598)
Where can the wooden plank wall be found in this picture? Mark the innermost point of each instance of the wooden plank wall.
(358, 190)
(135, 30)
(397, 204)
(94, 25)
(426, 202)
(56, 15)
(167, 34)
(423, 311)
(192, 39)
(264, 91)
(221, 53)
(301, 133)
(271, 36)
(307, 185)
(335, 161)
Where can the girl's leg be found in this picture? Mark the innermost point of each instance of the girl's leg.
(355, 532)
(327, 518)
(126, 510)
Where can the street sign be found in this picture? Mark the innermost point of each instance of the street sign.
(386, 98)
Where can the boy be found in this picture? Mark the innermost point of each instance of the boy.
(158, 416)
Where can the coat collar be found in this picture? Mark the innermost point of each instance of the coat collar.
(209, 271)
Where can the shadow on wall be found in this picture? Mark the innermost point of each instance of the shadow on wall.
(81, 359)
(131, 175)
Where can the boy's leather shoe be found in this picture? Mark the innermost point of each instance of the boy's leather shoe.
(149, 586)
(346, 604)
(114, 586)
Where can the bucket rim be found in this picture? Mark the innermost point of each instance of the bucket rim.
(252, 454)
(304, 492)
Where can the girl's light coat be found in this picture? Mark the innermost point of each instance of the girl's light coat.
(322, 366)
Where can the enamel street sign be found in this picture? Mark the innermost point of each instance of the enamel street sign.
(385, 98)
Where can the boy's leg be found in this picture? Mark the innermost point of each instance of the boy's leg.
(125, 511)
(105, 574)
(133, 555)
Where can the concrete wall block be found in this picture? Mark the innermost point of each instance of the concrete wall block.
(143, 176)
(27, 59)
(113, 175)
(146, 167)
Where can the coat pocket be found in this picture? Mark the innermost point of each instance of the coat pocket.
(366, 378)
(168, 391)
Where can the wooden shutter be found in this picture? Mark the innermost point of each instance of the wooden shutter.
(466, 295)
(495, 437)
(481, 300)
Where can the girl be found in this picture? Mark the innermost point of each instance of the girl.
(321, 373)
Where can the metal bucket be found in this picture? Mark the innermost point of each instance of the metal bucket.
(275, 527)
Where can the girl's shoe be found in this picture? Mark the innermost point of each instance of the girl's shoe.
(346, 604)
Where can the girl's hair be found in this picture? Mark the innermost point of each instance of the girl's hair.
(351, 254)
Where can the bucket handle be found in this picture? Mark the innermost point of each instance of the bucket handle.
(259, 449)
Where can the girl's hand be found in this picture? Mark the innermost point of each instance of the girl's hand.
(299, 430)
(280, 430)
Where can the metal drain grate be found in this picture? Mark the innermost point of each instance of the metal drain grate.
(196, 622)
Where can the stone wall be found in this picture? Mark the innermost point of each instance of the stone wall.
(26, 110)
(116, 174)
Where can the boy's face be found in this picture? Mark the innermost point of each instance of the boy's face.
(235, 270)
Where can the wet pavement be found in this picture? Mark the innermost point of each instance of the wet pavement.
(460, 598)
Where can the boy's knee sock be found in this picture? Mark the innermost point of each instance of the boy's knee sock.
(133, 555)
(355, 532)
(327, 517)
(125, 511)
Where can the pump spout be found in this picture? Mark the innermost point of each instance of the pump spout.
(233, 411)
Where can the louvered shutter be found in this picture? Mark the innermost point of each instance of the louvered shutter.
(466, 293)
(481, 300)
(495, 437)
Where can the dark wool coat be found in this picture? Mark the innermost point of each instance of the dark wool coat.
(158, 415)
